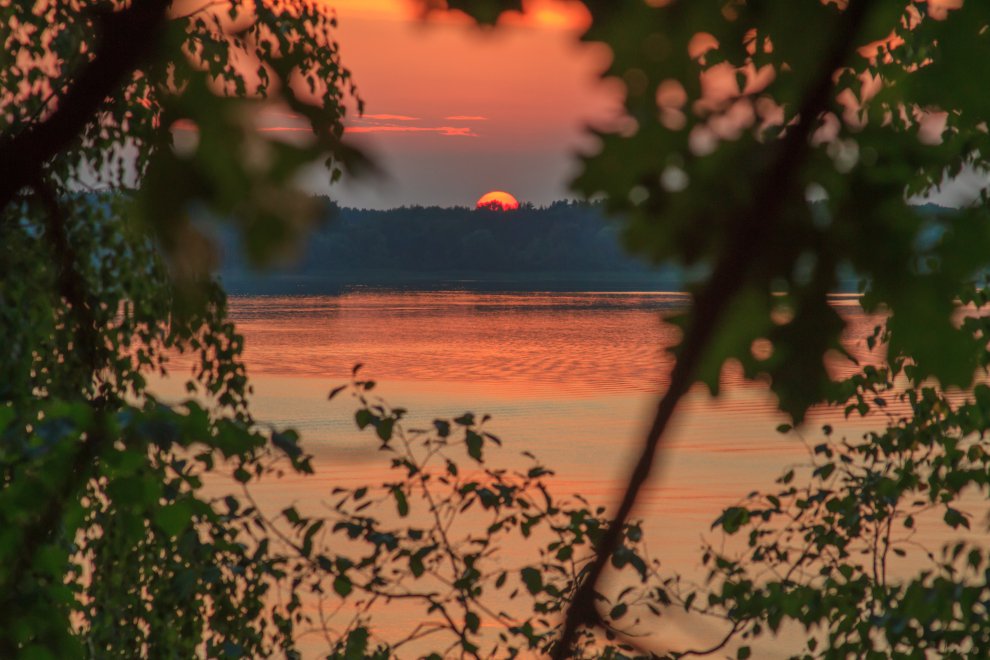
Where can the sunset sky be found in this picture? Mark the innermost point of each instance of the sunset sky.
(453, 112)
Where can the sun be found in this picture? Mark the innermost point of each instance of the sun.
(498, 200)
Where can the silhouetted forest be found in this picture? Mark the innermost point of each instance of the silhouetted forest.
(567, 245)
(565, 242)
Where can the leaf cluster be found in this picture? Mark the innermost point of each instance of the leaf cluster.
(843, 549)
(454, 540)
(125, 128)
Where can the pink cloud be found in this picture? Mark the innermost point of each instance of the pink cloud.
(449, 131)
(455, 131)
(466, 118)
(387, 117)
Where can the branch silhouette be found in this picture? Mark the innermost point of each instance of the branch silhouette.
(77, 471)
(127, 37)
(751, 226)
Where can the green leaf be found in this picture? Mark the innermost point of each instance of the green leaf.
(363, 417)
(36, 652)
(732, 519)
(401, 503)
(442, 427)
(532, 579)
(955, 518)
(357, 644)
(416, 566)
(384, 428)
(174, 518)
(342, 585)
(747, 319)
(471, 621)
(474, 444)
(288, 443)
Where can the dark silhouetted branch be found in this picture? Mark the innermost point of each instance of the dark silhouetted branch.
(127, 37)
(41, 527)
(751, 226)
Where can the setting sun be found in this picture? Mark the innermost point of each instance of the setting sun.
(498, 200)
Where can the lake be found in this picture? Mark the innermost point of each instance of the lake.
(571, 377)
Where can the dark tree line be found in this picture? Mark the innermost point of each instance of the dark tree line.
(566, 241)
(562, 237)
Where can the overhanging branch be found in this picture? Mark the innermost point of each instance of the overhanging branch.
(751, 225)
(127, 38)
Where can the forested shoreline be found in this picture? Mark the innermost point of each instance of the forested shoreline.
(566, 246)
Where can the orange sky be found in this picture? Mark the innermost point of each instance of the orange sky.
(453, 111)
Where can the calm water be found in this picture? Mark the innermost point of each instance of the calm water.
(571, 377)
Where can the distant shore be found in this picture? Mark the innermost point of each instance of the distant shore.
(332, 283)
(566, 246)
(269, 284)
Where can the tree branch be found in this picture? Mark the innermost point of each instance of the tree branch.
(39, 530)
(127, 37)
(751, 226)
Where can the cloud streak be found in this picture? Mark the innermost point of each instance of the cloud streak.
(466, 118)
(446, 131)
(451, 131)
(388, 117)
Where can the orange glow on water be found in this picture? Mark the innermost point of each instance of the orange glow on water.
(568, 376)
(498, 200)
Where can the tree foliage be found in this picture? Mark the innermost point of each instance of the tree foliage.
(108, 547)
(487, 558)
(737, 118)
(737, 115)
(845, 548)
